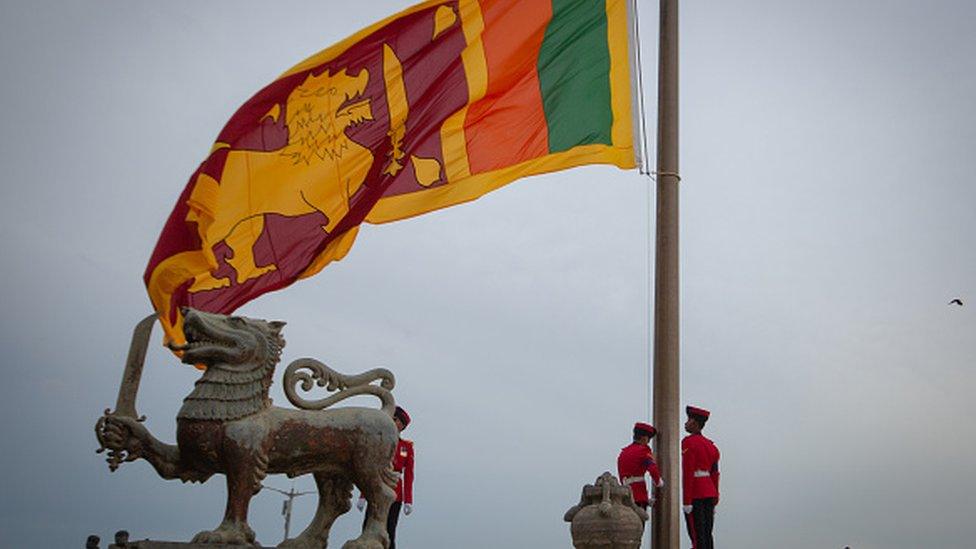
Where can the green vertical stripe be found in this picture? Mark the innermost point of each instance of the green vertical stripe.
(574, 73)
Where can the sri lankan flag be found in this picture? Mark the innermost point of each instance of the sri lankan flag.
(434, 106)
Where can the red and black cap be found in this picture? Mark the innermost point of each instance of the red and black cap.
(402, 415)
(644, 429)
(697, 413)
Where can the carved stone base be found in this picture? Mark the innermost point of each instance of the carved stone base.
(151, 544)
(606, 517)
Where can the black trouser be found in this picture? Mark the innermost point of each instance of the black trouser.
(700, 521)
(391, 522)
(392, 517)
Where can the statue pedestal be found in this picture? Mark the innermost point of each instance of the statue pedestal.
(150, 544)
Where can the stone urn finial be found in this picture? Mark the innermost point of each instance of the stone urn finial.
(606, 517)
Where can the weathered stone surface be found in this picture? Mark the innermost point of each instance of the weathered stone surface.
(606, 517)
(228, 426)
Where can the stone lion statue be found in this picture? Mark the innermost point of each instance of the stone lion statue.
(228, 425)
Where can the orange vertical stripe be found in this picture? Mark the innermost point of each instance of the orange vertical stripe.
(508, 125)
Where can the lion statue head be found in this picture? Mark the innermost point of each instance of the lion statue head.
(239, 354)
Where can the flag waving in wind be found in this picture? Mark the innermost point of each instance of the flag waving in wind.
(434, 106)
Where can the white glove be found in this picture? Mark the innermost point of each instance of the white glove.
(686, 509)
(660, 483)
(407, 508)
(361, 503)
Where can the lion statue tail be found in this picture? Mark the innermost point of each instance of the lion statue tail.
(308, 372)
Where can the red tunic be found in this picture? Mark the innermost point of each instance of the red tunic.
(632, 463)
(699, 468)
(403, 465)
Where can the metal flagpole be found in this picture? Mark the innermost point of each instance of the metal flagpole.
(666, 524)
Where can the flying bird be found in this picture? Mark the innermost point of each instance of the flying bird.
(956, 301)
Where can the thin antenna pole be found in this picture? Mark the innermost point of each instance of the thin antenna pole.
(291, 494)
(291, 497)
(666, 530)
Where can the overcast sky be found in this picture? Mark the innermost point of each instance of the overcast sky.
(827, 218)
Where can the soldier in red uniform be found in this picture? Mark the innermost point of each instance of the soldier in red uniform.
(636, 460)
(403, 465)
(699, 474)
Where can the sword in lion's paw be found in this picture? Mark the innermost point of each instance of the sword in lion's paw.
(125, 405)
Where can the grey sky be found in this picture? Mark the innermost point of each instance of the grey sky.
(827, 219)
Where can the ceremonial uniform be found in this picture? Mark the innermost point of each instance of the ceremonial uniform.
(634, 461)
(700, 476)
(403, 466)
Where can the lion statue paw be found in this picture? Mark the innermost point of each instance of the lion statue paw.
(124, 434)
(228, 533)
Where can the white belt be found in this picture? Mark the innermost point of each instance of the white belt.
(632, 480)
(702, 474)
